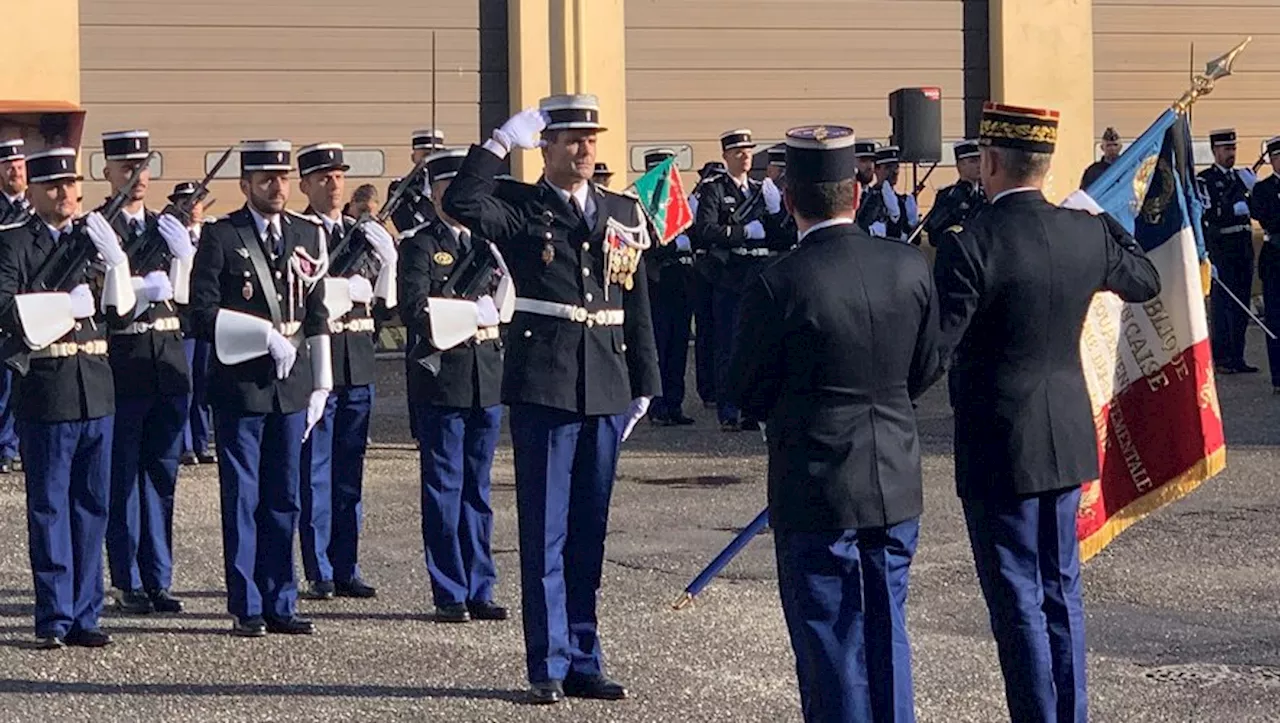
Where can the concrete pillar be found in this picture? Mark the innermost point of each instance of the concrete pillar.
(570, 46)
(1042, 56)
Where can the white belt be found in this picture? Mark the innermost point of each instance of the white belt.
(290, 328)
(1235, 229)
(685, 260)
(355, 325)
(740, 251)
(569, 312)
(169, 323)
(64, 349)
(487, 333)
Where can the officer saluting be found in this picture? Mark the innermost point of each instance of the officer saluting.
(671, 296)
(1228, 238)
(14, 206)
(152, 382)
(255, 294)
(1014, 286)
(66, 399)
(1264, 205)
(958, 202)
(361, 292)
(580, 370)
(885, 212)
(850, 313)
(459, 374)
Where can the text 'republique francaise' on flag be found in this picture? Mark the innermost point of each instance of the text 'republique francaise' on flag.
(662, 197)
(1148, 366)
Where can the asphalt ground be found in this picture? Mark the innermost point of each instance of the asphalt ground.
(1183, 609)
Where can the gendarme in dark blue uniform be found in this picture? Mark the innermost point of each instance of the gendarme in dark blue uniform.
(65, 402)
(1264, 206)
(1228, 237)
(706, 270)
(14, 209)
(256, 294)
(360, 294)
(459, 409)
(884, 212)
(580, 369)
(1014, 286)
(836, 340)
(152, 387)
(958, 202)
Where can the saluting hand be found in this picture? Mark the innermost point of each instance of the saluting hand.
(522, 130)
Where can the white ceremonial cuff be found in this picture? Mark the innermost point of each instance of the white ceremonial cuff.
(337, 297)
(180, 277)
(239, 337)
(117, 290)
(45, 317)
(385, 287)
(321, 362)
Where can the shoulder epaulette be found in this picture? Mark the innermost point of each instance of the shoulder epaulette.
(312, 219)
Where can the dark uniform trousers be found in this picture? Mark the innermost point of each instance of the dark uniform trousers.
(416, 210)
(1025, 438)
(704, 328)
(568, 384)
(842, 336)
(258, 420)
(1229, 241)
(195, 434)
(332, 484)
(65, 409)
(715, 225)
(671, 296)
(1264, 205)
(152, 384)
(459, 418)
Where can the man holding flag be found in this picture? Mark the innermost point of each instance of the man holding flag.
(1015, 286)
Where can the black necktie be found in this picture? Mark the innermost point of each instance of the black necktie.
(273, 240)
(135, 227)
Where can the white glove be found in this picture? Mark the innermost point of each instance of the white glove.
(764, 433)
(486, 312)
(82, 306)
(104, 239)
(890, 197)
(755, 231)
(913, 211)
(522, 130)
(878, 229)
(635, 412)
(1248, 177)
(1241, 208)
(315, 410)
(157, 287)
(283, 352)
(682, 243)
(693, 204)
(772, 196)
(361, 290)
(176, 236)
(383, 245)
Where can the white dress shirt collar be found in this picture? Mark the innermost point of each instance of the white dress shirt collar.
(583, 196)
(57, 232)
(1011, 191)
(839, 221)
(260, 221)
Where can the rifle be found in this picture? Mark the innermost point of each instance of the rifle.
(472, 277)
(1258, 164)
(144, 255)
(743, 214)
(64, 269)
(343, 258)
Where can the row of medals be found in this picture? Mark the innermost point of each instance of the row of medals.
(623, 263)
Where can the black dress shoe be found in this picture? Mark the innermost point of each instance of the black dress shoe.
(709, 405)
(452, 614)
(206, 458)
(749, 425)
(1224, 369)
(487, 610)
(355, 588)
(87, 638)
(683, 421)
(250, 628)
(730, 426)
(189, 459)
(49, 642)
(293, 626)
(134, 602)
(546, 693)
(1245, 368)
(318, 590)
(163, 602)
(596, 687)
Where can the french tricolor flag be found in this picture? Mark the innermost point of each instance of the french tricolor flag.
(1149, 366)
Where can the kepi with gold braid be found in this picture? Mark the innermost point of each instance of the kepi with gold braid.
(1026, 129)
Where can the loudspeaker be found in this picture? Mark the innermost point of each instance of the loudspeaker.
(917, 123)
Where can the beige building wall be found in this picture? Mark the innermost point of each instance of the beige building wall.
(202, 76)
(696, 69)
(1143, 62)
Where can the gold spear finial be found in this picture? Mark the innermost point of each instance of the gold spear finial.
(1216, 69)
